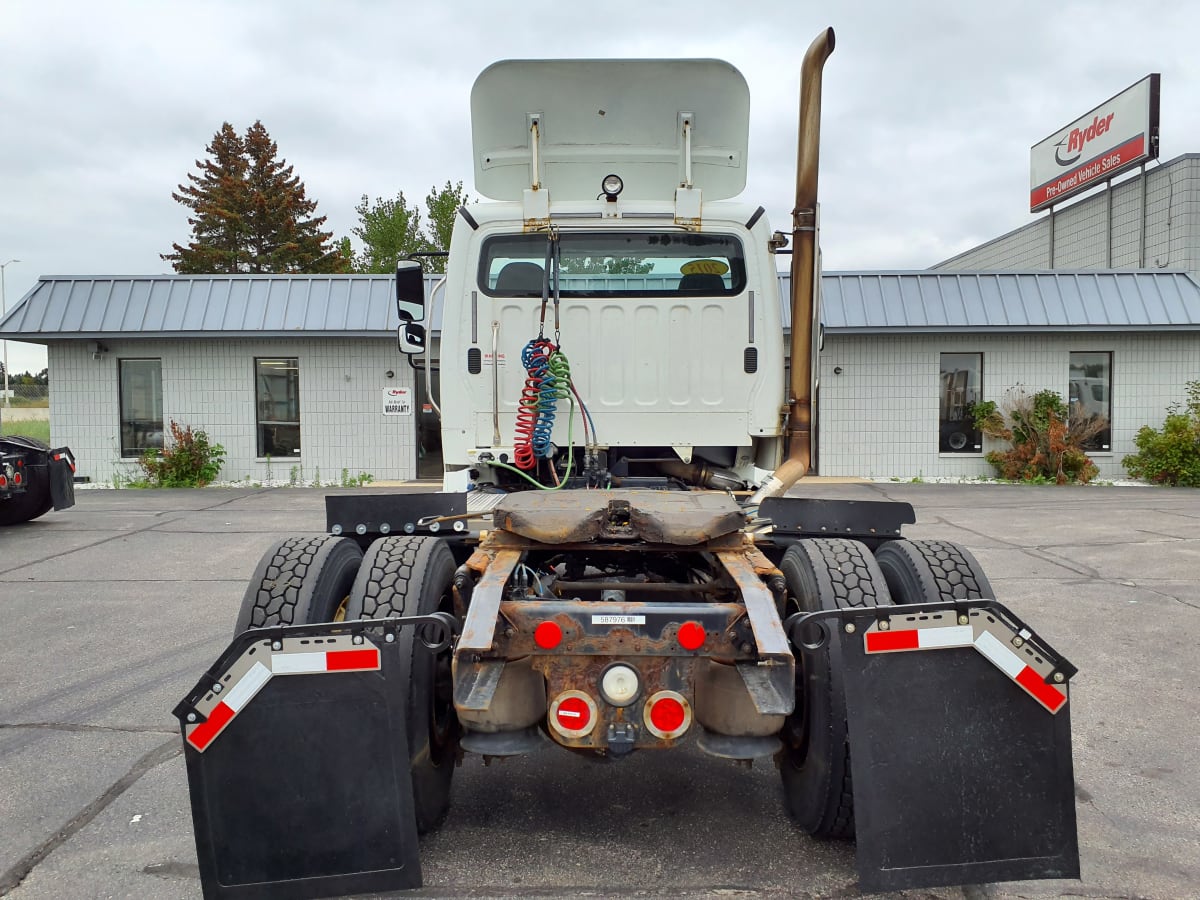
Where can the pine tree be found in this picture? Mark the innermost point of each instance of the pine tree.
(250, 212)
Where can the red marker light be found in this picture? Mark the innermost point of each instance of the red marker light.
(17, 479)
(691, 636)
(667, 714)
(3, 481)
(548, 635)
(573, 714)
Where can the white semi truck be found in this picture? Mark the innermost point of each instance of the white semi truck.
(612, 565)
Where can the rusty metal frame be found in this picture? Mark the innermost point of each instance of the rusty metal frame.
(480, 628)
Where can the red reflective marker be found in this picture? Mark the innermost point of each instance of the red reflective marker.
(691, 636)
(548, 635)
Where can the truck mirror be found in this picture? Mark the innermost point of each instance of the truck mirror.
(410, 291)
(411, 337)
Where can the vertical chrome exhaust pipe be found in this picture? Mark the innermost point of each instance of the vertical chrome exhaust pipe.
(804, 274)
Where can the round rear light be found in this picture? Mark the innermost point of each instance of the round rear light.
(619, 685)
(548, 635)
(667, 714)
(691, 636)
(3, 481)
(17, 479)
(573, 714)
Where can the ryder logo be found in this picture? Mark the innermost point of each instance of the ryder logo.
(1079, 137)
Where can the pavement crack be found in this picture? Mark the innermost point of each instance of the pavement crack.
(1058, 560)
(13, 877)
(80, 727)
(115, 537)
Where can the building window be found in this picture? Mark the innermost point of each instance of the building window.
(141, 405)
(277, 392)
(1090, 399)
(962, 388)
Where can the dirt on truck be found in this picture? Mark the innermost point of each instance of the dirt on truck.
(619, 559)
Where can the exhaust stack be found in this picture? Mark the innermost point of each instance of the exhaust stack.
(804, 274)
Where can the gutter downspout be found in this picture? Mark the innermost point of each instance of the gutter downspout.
(804, 274)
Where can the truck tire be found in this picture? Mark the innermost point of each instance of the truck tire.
(412, 576)
(301, 580)
(35, 501)
(815, 766)
(929, 571)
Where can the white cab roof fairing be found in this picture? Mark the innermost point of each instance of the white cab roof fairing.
(602, 116)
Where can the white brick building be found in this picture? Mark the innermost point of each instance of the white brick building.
(288, 373)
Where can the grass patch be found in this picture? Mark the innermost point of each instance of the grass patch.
(34, 428)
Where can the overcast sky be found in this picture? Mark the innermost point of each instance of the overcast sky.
(930, 108)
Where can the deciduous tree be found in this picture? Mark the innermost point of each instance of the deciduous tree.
(391, 230)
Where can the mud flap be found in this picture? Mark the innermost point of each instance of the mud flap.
(298, 766)
(960, 756)
(62, 478)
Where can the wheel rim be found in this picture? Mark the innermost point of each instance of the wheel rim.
(339, 614)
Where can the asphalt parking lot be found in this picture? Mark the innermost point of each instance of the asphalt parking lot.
(112, 609)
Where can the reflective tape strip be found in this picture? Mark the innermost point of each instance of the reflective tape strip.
(1048, 695)
(1015, 668)
(252, 682)
(202, 735)
(331, 661)
(352, 660)
(919, 639)
(297, 663)
(993, 649)
(247, 687)
(233, 703)
(1003, 658)
(954, 636)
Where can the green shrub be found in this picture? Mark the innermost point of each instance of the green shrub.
(1046, 444)
(188, 460)
(1170, 456)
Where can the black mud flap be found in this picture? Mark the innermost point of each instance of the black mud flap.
(298, 766)
(62, 478)
(960, 756)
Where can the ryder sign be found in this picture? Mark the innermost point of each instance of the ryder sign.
(1117, 135)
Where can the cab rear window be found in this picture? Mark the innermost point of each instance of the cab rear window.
(621, 264)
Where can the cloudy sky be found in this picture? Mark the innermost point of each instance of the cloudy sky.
(930, 107)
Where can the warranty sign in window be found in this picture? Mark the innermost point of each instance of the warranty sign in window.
(397, 402)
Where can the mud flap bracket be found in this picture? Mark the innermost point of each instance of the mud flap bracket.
(961, 756)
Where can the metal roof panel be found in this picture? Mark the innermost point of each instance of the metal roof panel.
(58, 308)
